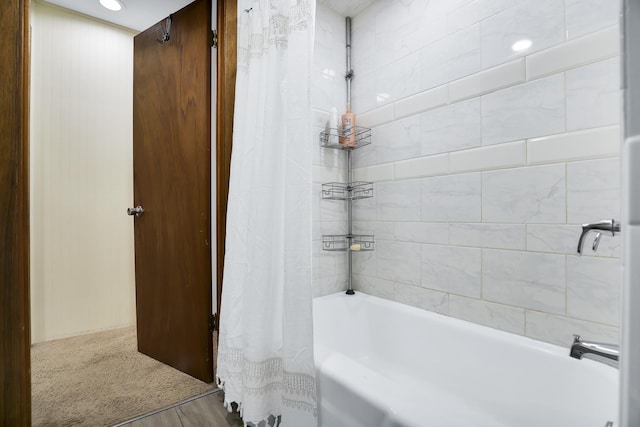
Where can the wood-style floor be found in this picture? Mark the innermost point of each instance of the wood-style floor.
(204, 411)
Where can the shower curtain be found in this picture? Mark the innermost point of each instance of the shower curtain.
(265, 353)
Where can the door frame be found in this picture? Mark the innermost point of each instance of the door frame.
(15, 333)
(225, 96)
(15, 322)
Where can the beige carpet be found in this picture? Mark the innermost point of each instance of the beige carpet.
(100, 379)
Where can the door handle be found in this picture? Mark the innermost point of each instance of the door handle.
(137, 211)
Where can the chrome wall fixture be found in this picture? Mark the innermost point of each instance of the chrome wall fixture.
(166, 31)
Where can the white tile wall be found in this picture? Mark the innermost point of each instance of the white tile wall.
(585, 16)
(539, 21)
(532, 109)
(524, 279)
(452, 269)
(524, 195)
(593, 95)
(486, 161)
(454, 127)
(454, 198)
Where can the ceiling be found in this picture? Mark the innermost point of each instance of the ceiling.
(136, 14)
(346, 7)
(142, 14)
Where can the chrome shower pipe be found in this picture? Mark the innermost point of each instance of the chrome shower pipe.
(349, 225)
(349, 74)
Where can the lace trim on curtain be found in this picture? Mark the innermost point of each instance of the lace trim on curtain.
(275, 32)
(259, 378)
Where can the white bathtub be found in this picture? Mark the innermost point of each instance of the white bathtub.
(380, 363)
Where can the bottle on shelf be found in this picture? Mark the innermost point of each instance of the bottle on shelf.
(348, 122)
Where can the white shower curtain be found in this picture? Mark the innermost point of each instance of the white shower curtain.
(265, 352)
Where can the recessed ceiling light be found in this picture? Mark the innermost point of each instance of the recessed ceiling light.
(114, 5)
(521, 45)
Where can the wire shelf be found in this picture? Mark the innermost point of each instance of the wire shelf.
(343, 191)
(334, 138)
(345, 242)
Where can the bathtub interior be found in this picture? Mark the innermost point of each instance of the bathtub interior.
(399, 365)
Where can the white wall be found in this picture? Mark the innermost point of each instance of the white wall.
(487, 160)
(82, 271)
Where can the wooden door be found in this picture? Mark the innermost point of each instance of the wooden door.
(172, 183)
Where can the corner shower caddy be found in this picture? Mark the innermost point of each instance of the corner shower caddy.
(349, 191)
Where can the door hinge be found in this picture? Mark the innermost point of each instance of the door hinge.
(214, 38)
(213, 323)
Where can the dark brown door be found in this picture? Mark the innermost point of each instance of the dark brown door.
(172, 183)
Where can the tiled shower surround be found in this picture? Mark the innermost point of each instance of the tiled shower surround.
(485, 160)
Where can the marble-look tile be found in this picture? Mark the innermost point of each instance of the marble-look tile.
(363, 87)
(363, 39)
(450, 128)
(452, 269)
(364, 262)
(398, 140)
(398, 79)
(331, 210)
(453, 198)
(574, 53)
(476, 11)
(396, 38)
(593, 289)
(382, 230)
(498, 316)
(367, 155)
(528, 280)
(398, 261)
(398, 200)
(497, 236)
(321, 174)
(422, 101)
(373, 286)
(395, 14)
(375, 173)
(593, 95)
(559, 330)
(539, 21)
(491, 157)
(585, 16)
(524, 195)
(376, 117)
(580, 145)
(365, 209)
(500, 77)
(563, 239)
(322, 261)
(421, 232)
(456, 56)
(533, 109)
(329, 227)
(323, 157)
(593, 190)
(329, 285)
(421, 167)
(425, 299)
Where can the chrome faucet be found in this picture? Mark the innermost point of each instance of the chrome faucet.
(609, 226)
(580, 348)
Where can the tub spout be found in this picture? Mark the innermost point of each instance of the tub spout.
(609, 226)
(579, 348)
